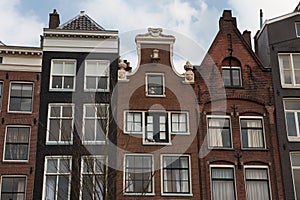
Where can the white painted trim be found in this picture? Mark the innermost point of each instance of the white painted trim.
(163, 82)
(230, 128)
(14, 176)
(162, 175)
(48, 124)
(45, 171)
(32, 96)
(63, 75)
(125, 121)
(187, 122)
(263, 132)
(222, 166)
(22, 68)
(152, 171)
(106, 62)
(29, 139)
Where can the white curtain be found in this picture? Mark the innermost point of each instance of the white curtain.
(50, 187)
(257, 184)
(215, 134)
(223, 189)
(254, 136)
(21, 187)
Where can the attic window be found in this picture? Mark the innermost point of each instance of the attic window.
(297, 26)
(1, 59)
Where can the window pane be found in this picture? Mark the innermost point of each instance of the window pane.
(68, 82)
(292, 104)
(52, 165)
(57, 67)
(27, 90)
(56, 81)
(66, 111)
(285, 61)
(54, 130)
(257, 184)
(236, 77)
(102, 82)
(222, 183)
(91, 82)
(291, 124)
(66, 130)
(296, 61)
(287, 77)
(69, 68)
(63, 185)
(55, 111)
(155, 84)
(295, 159)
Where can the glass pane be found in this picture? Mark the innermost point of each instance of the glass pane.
(27, 90)
(292, 105)
(287, 77)
(297, 182)
(16, 90)
(26, 104)
(50, 187)
(68, 82)
(298, 29)
(102, 83)
(63, 185)
(90, 111)
(55, 111)
(99, 166)
(297, 76)
(260, 174)
(296, 61)
(64, 166)
(101, 130)
(222, 173)
(54, 129)
(291, 124)
(236, 77)
(295, 158)
(226, 77)
(56, 81)
(89, 130)
(102, 111)
(7, 184)
(57, 67)
(91, 68)
(155, 79)
(66, 130)
(66, 111)
(69, 68)
(15, 104)
(285, 61)
(87, 187)
(91, 82)
(52, 165)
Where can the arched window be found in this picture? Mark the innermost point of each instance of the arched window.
(231, 72)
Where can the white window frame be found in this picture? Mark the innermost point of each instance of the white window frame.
(259, 167)
(163, 86)
(1, 94)
(124, 175)
(292, 169)
(107, 70)
(95, 118)
(29, 137)
(57, 174)
(32, 96)
(125, 122)
(187, 132)
(223, 167)
(208, 136)
(262, 128)
(233, 68)
(14, 176)
(102, 157)
(162, 175)
(283, 84)
(62, 89)
(297, 24)
(297, 121)
(59, 142)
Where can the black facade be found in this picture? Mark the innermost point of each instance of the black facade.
(278, 46)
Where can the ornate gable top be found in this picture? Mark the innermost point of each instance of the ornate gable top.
(155, 34)
(81, 22)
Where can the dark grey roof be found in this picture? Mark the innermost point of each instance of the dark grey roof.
(82, 22)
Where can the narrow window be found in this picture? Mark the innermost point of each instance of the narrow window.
(156, 128)
(21, 97)
(295, 162)
(155, 85)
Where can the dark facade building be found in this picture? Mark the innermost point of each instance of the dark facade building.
(157, 125)
(239, 153)
(278, 46)
(20, 79)
(79, 72)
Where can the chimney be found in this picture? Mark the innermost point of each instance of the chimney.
(247, 37)
(54, 20)
(227, 18)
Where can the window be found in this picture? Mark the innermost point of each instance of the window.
(156, 128)
(133, 122)
(1, 60)
(289, 65)
(297, 25)
(1, 90)
(95, 124)
(21, 97)
(57, 178)
(13, 187)
(292, 118)
(96, 75)
(138, 175)
(60, 124)
(231, 76)
(63, 75)
(93, 178)
(257, 183)
(155, 85)
(219, 133)
(17, 143)
(176, 175)
(179, 123)
(252, 132)
(223, 186)
(295, 162)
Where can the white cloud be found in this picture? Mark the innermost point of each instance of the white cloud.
(18, 28)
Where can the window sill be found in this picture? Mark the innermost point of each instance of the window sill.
(233, 87)
(61, 90)
(255, 149)
(15, 161)
(93, 143)
(19, 112)
(96, 90)
(221, 148)
(156, 96)
(157, 143)
(139, 194)
(177, 194)
(59, 143)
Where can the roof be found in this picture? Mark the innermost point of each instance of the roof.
(2, 44)
(81, 22)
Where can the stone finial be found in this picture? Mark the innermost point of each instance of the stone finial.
(122, 71)
(189, 76)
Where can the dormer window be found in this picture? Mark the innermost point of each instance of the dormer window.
(297, 26)
(155, 85)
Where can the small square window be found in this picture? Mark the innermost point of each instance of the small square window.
(63, 74)
(13, 187)
(17, 143)
(155, 85)
(219, 132)
(231, 76)
(20, 99)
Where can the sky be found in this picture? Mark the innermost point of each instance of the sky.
(194, 23)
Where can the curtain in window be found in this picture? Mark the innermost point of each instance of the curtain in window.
(254, 136)
(50, 187)
(21, 189)
(257, 184)
(223, 184)
(215, 134)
